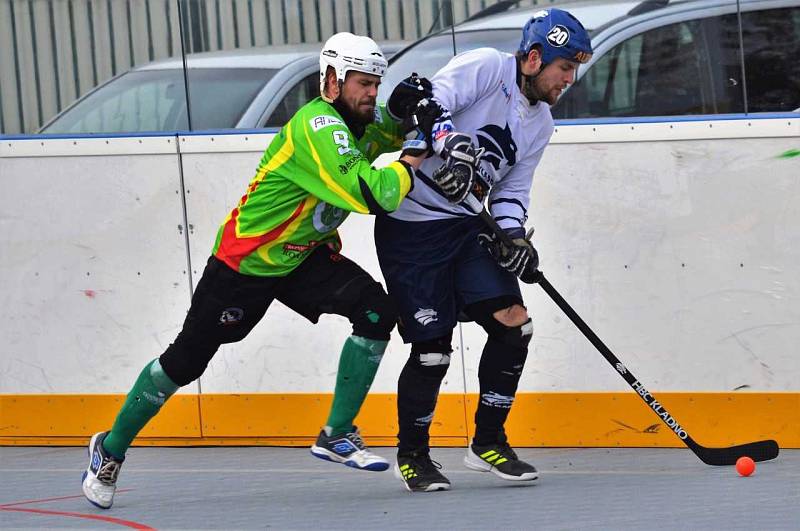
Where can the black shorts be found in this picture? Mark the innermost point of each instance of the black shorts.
(435, 269)
(226, 304)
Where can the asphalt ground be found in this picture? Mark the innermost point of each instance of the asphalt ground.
(287, 488)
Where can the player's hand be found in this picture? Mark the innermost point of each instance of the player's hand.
(406, 95)
(520, 259)
(456, 177)
(417, 128)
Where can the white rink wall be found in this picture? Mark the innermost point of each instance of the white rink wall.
(677, 242)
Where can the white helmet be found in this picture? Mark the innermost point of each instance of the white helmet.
(345, 51)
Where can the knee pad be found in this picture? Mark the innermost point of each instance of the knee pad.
(184, 363)
(509, 348)
(432, 357)
(375, 315)
(510, 336)
(513, 336)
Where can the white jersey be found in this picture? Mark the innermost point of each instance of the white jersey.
(479, 89)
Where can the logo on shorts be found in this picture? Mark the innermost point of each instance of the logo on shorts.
(231, 316)
(426, 316)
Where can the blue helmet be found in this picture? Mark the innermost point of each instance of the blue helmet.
(560, 35)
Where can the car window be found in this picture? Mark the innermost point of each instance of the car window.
(428, 56)
(724, 64)
(297, 96)
(662, 72)
(239, 86)
(154, 100)
(771, 41)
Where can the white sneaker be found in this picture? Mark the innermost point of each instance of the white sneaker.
(100, 478)
(348, 449)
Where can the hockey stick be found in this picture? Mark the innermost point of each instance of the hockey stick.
(758, 451)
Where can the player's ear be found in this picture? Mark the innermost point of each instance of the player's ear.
(535, 58)
(331, 84)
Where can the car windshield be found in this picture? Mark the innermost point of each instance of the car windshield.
(429, 55)
(154, 100)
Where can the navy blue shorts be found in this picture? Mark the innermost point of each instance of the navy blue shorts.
(433, 269)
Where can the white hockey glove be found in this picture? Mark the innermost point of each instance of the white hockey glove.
(456, 177)
(521, 259)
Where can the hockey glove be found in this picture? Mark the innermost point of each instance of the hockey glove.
(417, 128)
(521, 259)
(406, 95)
(456, 177)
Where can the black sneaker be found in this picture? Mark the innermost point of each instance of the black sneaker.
(348, 449)
(419, 473)
(500, 459)
(100, 477)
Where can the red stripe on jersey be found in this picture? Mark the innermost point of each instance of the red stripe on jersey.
(232, 249)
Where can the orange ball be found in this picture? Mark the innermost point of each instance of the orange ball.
(745, 466)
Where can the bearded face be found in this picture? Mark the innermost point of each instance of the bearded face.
(358, 93)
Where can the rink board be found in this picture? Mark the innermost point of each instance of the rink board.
(675, 241)
(537, 419)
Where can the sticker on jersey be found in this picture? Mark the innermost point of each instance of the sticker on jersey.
(426, 316)
(558, 36)
(319, 122)
(327, 217)
(231, 316)
(441, 130)
(378, 115)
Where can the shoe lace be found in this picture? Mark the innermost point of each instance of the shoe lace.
(108, 472)
(356, 439)
(506, 451)
(424, 463)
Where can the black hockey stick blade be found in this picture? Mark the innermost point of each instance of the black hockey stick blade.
(757, 451)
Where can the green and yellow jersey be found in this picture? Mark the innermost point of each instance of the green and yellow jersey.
(312, 175)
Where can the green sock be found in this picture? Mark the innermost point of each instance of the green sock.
(358, 364)
(151, 390)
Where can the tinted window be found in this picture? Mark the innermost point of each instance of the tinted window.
(303, 92)
(154, 100)
(660, 72)
(772, 59)
(428, 56)
(724, 64)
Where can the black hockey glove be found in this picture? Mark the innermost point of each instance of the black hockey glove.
(417, 128)
(456, 177)
(406, 95)
(521, 259)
